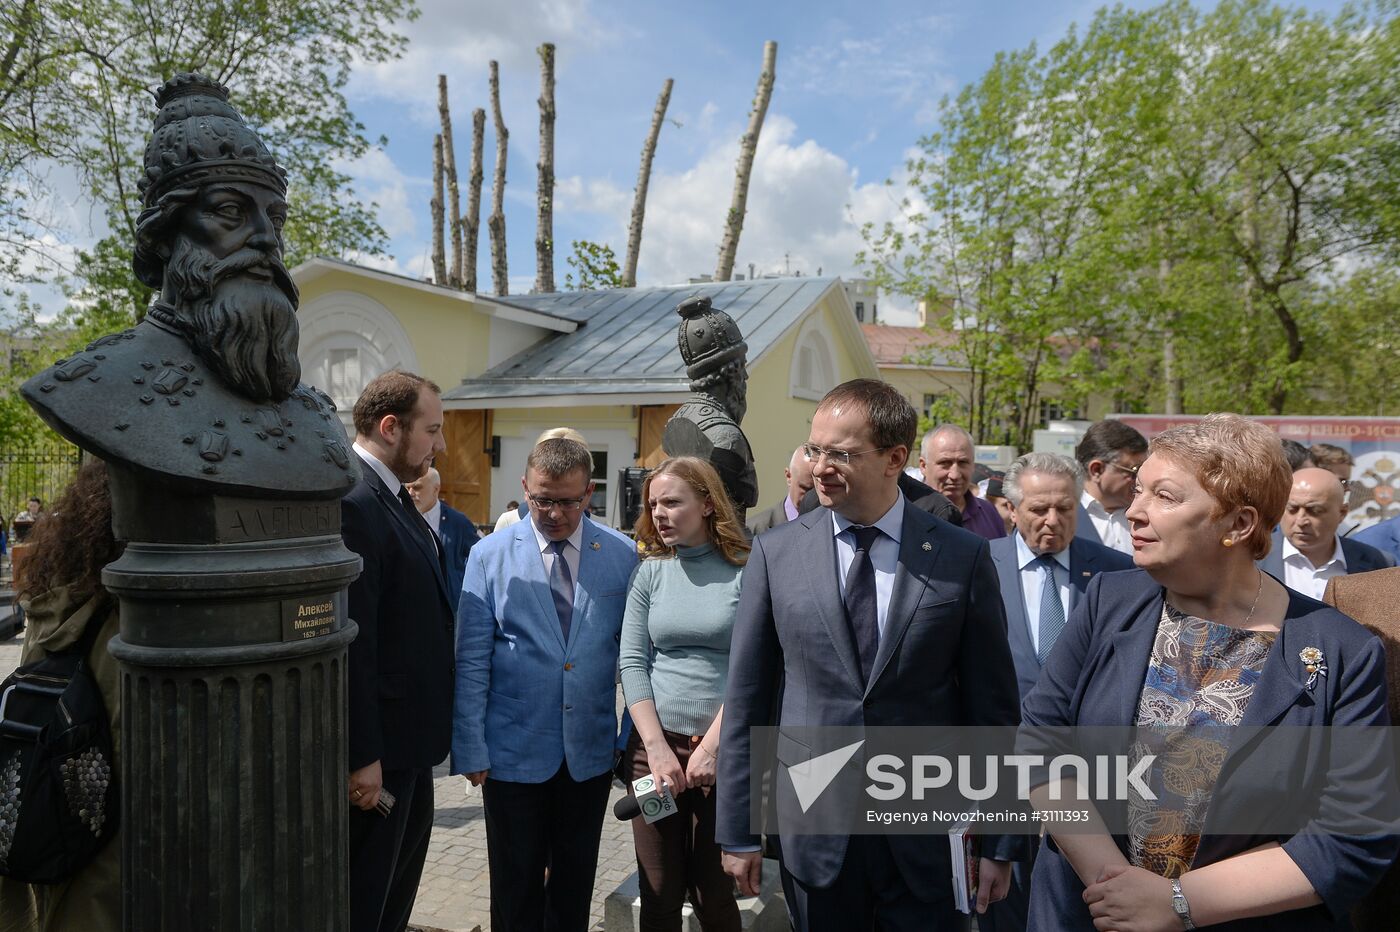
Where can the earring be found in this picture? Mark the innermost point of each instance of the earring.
(1227, 542)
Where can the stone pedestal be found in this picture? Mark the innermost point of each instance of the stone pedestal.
(766, 912)
(233, 748)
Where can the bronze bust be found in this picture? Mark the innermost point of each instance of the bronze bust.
(206, 391)
(707, 425)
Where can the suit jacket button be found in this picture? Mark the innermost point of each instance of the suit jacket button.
(568, 666)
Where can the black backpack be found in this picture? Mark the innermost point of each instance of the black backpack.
(58, 792)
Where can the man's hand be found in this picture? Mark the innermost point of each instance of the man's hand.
(365, 785)
(700, 769)
(478, 777)
(993, 882)
(746, 867)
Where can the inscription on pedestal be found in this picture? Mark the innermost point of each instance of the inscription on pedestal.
(242, 521)
(308, 618)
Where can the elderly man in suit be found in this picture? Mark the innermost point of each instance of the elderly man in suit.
(1043, 570)
(399, 679)
(535, 712)
(454, 530)
(1307, 551)
(946, 459)
(799, 482)
(1110, 453)
(865, 612)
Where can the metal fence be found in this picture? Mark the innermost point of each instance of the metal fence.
(27, 472)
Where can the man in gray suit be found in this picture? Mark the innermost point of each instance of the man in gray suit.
(865, 612)
(799, 482)
(1043, 570)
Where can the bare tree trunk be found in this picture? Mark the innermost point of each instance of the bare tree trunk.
(544, 198)
(439, 261)
(639, 202)
(1171, 371)
(734, 223)
(449, 166)
(497, 221)
(471, 224)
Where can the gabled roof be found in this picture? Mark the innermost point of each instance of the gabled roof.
(625, 343)
(909, 347)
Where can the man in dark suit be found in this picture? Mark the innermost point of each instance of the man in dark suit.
(399, 680)
(1110, 453)
(799, 482)
(455, 531)
(1307, 550)
(906, 627)
(1044, 489)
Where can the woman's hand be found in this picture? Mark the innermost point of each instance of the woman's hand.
(1130, 899)
(700, 769)
(666, 768)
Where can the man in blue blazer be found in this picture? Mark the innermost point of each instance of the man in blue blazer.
(537, 639)
(399, 669)
(1383, 536)
(1306, 550)
(454, 530)
(1044, 489)
(865, 612)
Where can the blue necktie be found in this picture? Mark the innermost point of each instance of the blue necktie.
(862, 605)
(1052, 610)
(561, 586)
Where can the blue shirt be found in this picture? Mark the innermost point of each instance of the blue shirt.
(1033, 579)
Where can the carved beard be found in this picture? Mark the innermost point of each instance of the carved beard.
(242, 328)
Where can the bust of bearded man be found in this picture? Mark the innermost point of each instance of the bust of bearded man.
(205, 392)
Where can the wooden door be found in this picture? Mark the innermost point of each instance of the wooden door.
(466, 464)
(651, 425)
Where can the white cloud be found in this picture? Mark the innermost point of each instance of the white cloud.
(596, 196)
(401, 198)
(903, 62)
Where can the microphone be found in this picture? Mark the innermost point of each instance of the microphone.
(652, 801)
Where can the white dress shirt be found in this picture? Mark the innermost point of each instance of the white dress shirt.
(1300, 575)
(1032, 579)
(392, 481)
(572, 552)
(884, 555)
(1112, 525)
(434, 518)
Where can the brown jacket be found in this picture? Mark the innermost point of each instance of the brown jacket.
(1374, 600)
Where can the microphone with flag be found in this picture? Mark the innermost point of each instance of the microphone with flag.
(651, 800)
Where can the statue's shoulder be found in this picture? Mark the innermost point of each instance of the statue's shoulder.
(707, 415)
(142, 397)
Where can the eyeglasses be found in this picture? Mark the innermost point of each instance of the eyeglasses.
(813, 454)
(1130, 470)
(563, 504)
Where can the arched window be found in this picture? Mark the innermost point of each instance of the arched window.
(346, 340)
(813, 371)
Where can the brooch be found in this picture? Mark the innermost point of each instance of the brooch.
(1314, 663)
(594, 546)
(927, 546)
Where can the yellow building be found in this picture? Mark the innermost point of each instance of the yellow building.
(603, 362)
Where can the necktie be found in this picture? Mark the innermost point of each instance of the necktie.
(1052, 610)
(415, 518)
(561, 586)
(862, 606)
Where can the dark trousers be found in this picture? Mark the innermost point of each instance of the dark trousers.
(387, 853)
(869, 895)
(677, 855)
(556, 825)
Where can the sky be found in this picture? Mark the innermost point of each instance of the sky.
(857, 85)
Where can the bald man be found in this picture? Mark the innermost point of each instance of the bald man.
(799, 482)
(455, 530)
(1307, 550)
(946, 458)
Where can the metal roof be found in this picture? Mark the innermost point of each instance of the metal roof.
(626, 338)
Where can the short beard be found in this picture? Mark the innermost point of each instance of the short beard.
(244, 329)
(404, 469)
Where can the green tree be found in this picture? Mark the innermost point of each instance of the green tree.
(75, 82)
(594, 266)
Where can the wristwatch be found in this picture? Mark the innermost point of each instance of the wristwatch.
(1179, 904)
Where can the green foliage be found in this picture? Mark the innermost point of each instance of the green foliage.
(1166, 177)
(75, 91)
(594, 266)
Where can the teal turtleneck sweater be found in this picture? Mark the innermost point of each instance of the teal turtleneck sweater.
(675, 636)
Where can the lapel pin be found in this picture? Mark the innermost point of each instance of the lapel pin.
(927, 546)
(594, 546)
(1315, 663)
(1086, 573)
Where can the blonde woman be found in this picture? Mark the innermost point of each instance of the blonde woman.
(675, 663)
